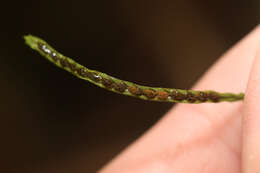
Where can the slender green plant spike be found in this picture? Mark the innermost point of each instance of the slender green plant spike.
(124, 87)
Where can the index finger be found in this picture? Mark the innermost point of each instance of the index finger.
(187, 122)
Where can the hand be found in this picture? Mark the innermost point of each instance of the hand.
(206, 138)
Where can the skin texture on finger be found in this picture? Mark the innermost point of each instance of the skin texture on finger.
(197, 138)
(251, 121)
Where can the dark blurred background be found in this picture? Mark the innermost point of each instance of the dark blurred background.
(52, 122)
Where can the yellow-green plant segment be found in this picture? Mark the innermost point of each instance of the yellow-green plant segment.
(124, 87)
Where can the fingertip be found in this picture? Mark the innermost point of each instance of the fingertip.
(251, 120)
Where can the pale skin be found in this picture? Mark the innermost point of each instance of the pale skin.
(206, 138)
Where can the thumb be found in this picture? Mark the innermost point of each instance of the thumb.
(251, 121)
